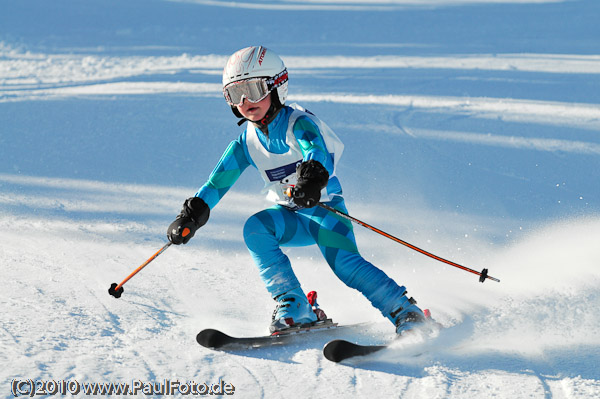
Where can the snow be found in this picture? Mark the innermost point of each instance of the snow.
(472, 130)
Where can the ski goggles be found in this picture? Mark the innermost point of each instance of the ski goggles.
(253, 90)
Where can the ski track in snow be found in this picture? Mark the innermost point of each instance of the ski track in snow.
(527, 210)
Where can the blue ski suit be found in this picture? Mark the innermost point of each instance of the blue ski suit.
(296, 135)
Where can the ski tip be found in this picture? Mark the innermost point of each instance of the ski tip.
(336, 350)
(339, 349)
(211, 338)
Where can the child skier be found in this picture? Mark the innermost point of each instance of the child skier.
(296, 155)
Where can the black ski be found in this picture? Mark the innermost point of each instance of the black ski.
(339, 349)
(215, 339)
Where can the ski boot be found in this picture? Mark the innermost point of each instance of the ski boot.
(293, 309)
(407, 315)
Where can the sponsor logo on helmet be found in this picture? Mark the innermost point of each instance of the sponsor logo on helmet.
(261, 57)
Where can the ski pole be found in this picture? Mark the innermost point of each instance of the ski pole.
(483, 275)
(117, 289)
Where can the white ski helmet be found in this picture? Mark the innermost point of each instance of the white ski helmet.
(258, 62)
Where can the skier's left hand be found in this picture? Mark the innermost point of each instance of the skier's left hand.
(312, 178)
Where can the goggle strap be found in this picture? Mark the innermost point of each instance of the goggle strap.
(277, 80)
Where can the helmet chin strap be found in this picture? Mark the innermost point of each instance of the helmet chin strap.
(263, 124)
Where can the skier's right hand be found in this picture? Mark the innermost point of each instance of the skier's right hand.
(194, 215)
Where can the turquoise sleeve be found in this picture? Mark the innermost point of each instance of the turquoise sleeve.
(312, 143)
(229, 168)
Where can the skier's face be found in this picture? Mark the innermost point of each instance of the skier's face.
(255, 111)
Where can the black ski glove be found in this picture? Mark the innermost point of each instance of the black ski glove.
(194, 215)
(312, 178)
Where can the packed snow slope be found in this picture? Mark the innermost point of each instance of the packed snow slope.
(472, 130)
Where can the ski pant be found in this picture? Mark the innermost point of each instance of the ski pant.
(268, 230)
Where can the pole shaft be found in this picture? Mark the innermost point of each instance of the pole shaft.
(160, 251)
(396, 239)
